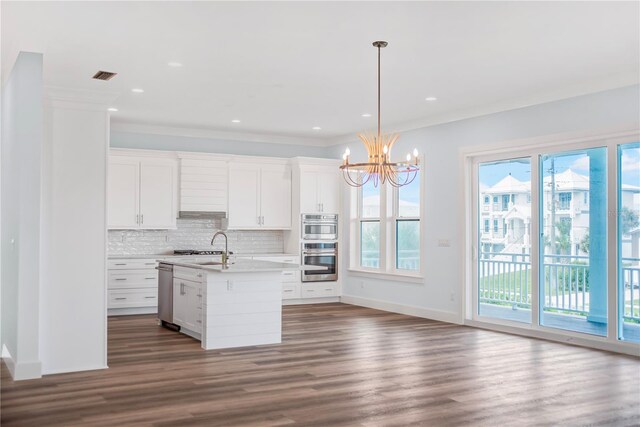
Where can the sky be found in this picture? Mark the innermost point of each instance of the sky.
(492, 173)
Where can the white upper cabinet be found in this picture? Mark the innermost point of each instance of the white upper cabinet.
(244, 196)
(259, 196)
(203, 184)
(320, 191)
(123, 192)
(157, 194)
(275, 197)
(142, 192)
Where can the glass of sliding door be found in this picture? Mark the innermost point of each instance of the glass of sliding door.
(629, 242)
(573, 242)
(504, 239)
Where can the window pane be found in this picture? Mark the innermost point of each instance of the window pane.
(504, 263)
(370, 244)
(629, 242)
(409, 199)
(370, 203)
(573, 276)
(408, 245)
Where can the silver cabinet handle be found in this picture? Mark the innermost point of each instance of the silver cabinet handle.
(149, 278)
(258, 220)
(200, 275)
(142, 219)
(121, 279)
(137, 219)
(199, 321)
(120, 298)
(150, 297)
(122, 264)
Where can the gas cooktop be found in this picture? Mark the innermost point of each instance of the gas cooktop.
(197, 252)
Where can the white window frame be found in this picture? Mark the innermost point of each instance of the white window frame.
(388, 216)
(471, 160)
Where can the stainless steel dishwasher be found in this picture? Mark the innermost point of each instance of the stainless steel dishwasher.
(165, 296)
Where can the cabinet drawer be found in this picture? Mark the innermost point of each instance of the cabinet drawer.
(191, 274)
(290, 291)
(319, 290)
(126, 298)
(124, 279)
(291, 276)
(131, 264)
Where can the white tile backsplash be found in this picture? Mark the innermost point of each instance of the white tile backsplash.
(192, 234)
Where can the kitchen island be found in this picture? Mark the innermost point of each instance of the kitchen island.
(233, 305)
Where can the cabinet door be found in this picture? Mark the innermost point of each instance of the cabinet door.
(122, 192)
(179, 303)
(158, 189)
(194, 302)
(275, 198)
(329, 189)
(309, 202)
(244, 197)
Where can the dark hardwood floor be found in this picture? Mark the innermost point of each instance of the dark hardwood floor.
(338, 365)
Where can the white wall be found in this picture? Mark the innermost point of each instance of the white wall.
(22, 135)
(439, 296)
(73, 313)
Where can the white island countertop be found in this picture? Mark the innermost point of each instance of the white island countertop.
(243, 266)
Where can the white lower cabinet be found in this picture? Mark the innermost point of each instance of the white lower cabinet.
(319, 290)
(132, 286)
(187, 304)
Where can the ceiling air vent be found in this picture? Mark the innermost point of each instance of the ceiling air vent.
(104, 75)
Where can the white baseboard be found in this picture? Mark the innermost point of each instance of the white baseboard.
(131, 311)
(68, 370)
(443, 316)
(21, 370)
(301, 301)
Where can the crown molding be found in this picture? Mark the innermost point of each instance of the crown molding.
(118, 126)
(64, 97)
(617, 81)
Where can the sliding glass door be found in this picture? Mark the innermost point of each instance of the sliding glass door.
(573, 242)
(629, 242)
(504, 239)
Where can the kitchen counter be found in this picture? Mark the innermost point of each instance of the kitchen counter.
(244, 266)
(168, 256)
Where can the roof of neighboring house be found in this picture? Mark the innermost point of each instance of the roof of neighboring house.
(568, 180)
(509, 184)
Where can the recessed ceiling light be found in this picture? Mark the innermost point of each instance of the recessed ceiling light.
(113, 110)
(366, 115)
(316, 128)
(174, 64)
(235, 121)
(137, 90)
(431, 98)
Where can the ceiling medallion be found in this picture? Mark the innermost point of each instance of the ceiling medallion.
(379, 168)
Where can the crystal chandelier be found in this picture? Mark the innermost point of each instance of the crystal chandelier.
(379, 168)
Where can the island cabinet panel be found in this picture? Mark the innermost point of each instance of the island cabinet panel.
(242, 309)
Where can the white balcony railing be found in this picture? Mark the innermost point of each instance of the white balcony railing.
(505, 279)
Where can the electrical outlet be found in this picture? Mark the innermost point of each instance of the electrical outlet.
(452, 297)
(361, 284)
(443, 243)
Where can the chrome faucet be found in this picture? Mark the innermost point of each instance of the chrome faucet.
(225, 254)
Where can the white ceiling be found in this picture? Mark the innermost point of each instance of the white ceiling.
(283, 68)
